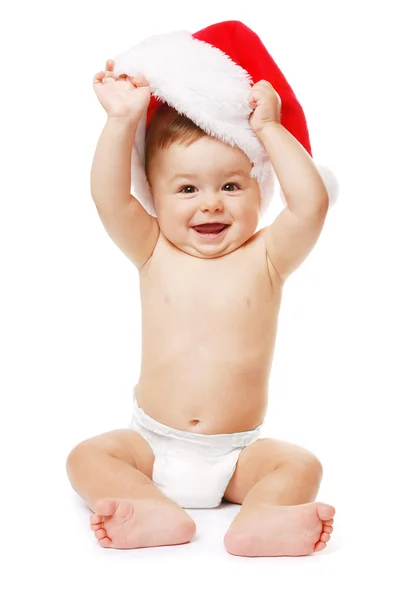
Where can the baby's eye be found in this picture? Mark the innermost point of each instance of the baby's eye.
(230, 184)
(187, 187)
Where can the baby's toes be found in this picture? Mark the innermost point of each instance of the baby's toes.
(100, 533)
(105, 542)
(96, 519)
(326, 512)
(106, 507)
(319, 546)
(325, 537)
(96, 522)
(102, 538)
(327, 529)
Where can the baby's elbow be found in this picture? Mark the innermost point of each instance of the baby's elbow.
(324, 203)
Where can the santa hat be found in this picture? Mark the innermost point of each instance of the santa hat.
(207, 77)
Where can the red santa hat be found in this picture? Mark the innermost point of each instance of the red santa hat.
(207, 76)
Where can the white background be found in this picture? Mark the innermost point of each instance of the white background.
(70, 313)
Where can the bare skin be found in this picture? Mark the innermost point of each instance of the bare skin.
(199, 372)
(209, 321)
(142, 523)
(112, 473)
(281, 530)
(261, 528)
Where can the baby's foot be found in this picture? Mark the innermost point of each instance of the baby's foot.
(125, 523)
(262, 530)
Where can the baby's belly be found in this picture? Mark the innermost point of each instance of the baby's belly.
(213, 395)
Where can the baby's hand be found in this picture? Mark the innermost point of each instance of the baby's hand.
(124, 96)
(266, 103)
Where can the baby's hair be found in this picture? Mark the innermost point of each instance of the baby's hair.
(166, 127)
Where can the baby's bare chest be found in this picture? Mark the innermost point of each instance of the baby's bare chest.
(211, 293)
(228, 299)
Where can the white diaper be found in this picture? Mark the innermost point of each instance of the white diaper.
(192, 469)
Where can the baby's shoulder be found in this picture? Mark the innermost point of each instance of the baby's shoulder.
(257, 242)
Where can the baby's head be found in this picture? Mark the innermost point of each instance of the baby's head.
(196, 179)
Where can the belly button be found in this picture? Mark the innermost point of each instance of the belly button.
(194, 422)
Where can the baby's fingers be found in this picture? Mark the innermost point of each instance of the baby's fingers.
(255, 97)
(98, 78)
(109, 73)
(110, 68)
(139, 81)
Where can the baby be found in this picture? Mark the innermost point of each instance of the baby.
(211, 289)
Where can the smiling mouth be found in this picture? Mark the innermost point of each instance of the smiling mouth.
(210, 228)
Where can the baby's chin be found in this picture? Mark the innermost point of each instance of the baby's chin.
(208, 252)
(206, 247)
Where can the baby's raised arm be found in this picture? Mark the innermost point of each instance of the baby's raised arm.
(128, 224)
(295, 231)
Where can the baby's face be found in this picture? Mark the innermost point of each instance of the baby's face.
(206, 182)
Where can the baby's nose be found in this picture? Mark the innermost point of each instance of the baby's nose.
(211, 201)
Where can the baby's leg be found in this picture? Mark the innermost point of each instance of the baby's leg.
(276, 483)
(112, 473)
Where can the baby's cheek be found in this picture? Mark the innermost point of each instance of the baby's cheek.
(249, 221)
(173, 225)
